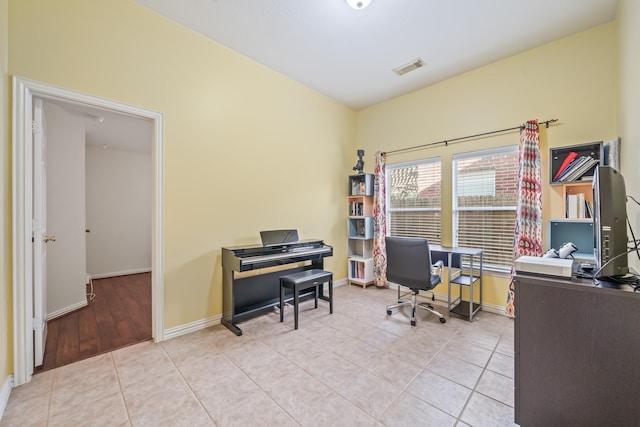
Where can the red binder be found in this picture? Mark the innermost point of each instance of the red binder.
(565, 164)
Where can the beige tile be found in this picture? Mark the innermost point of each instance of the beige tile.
(416, 349)
(331, 369)
(355, 367)
(483, 411)
(479, 337)
(323, 335)
(379, 338)
(333, 410)
(260, 363)
(163, 401)
(440, 392)
(459, 371)
(409, 411)
(358, 352)
(297, 393)
(469, 352)
(257, 410)
(95, 409)
(370, 393)
(26, 410)
(87, 372)
(394, 369)
(506, 345)
(497, 387)
(502, 364)
(219, 386)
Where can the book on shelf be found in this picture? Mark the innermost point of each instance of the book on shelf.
(576, 171)
(589, 208)
(578, 207)
(571, 156)
(357, 188)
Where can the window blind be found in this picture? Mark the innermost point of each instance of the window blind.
(413, 199)
(485, 189)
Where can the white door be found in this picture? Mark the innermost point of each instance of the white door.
(40, 237)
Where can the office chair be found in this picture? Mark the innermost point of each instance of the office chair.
(409, 265)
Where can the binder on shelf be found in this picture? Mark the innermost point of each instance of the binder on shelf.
(576, 172)
(565, 164)
(572, 205)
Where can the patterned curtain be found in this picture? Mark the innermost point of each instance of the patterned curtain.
(380, 222)
(528, 233)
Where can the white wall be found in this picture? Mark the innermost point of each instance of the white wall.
(119, 188)
(65, 139)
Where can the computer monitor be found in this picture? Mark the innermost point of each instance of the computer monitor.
(610, 222)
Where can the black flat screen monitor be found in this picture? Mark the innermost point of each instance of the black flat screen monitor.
(610, 222)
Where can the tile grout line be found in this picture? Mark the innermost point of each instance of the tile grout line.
(124, 400)
(484, 369)
(193, 393)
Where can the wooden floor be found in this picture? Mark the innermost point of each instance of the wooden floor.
(119, 315)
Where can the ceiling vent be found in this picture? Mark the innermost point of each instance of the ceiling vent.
(413, 65)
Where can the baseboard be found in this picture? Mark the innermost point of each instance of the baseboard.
(198, 325)
(120, 273)
(5, 393)
(68, 309)
(187, 328)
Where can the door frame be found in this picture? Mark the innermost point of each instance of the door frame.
(24, 90)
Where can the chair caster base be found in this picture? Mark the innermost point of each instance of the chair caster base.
(443, 320)
(389, 312)
(413, 323)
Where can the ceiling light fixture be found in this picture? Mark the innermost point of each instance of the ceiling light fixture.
(358, 4)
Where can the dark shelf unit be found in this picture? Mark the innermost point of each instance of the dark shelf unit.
(558, 154)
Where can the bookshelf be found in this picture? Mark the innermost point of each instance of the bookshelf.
(360, 230)
(576, 223)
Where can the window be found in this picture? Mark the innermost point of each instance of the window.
(413, 199)
(485, 186)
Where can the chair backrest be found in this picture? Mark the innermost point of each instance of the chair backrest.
(409, 262)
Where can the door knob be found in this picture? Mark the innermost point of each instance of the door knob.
(49, 239)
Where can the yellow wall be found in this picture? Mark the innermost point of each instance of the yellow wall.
(629, 108)
(245, 148)
(248, 149)
(6, 303)
(573, 79)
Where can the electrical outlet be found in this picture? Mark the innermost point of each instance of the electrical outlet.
(87, 279)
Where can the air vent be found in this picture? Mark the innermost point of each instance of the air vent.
(413, 65)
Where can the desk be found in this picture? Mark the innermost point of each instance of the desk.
(452, 258)
(576, 353)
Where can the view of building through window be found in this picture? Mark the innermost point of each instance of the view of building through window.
(485, 190)
(413, 199)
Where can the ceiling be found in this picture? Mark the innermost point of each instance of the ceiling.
(349, 55)
(111, 130)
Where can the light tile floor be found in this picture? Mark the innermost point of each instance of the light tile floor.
(356, 367)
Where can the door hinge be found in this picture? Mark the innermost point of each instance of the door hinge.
(37, 324)
(35, 127)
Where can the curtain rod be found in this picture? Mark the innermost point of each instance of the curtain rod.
(447, 141)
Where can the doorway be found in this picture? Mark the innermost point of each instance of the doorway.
(26, 319)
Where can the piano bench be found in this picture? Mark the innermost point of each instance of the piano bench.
(301, 281)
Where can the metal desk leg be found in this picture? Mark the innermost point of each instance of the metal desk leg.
(471, 289)
(449, 257)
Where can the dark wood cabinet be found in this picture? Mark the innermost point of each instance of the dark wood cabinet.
(577, 353)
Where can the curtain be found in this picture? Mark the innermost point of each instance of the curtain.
(528, 230)
(380, 222)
